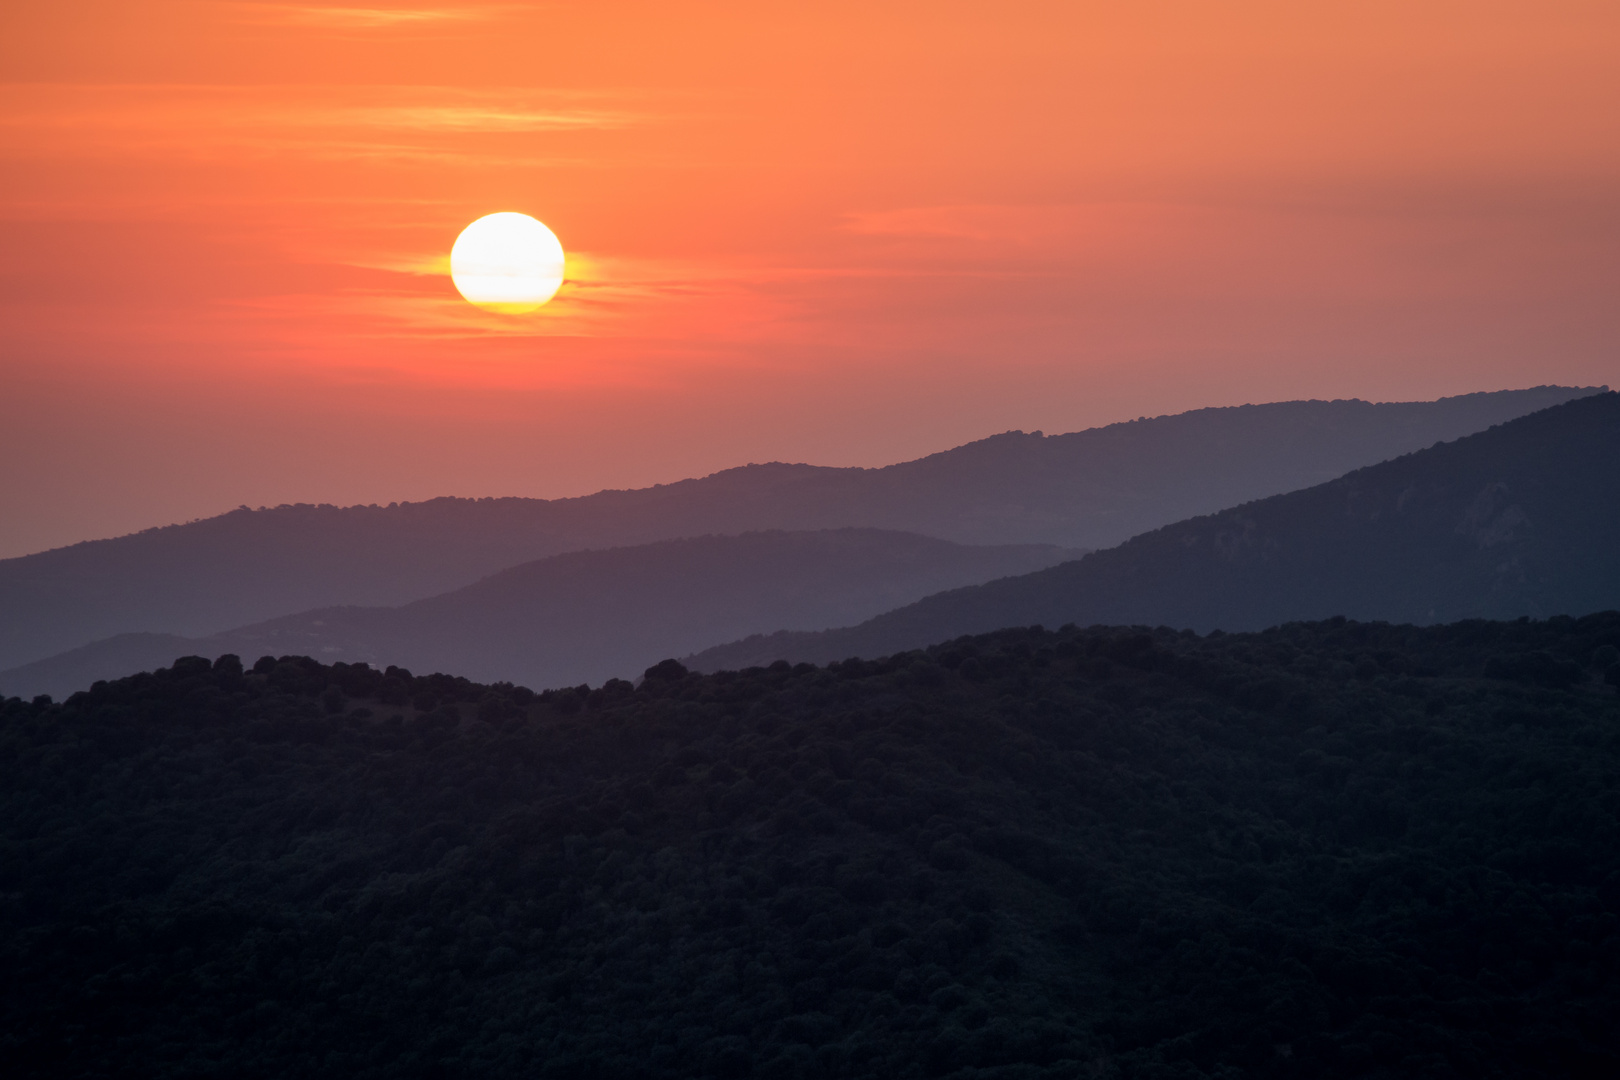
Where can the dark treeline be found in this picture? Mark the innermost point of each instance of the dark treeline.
(1325, 850)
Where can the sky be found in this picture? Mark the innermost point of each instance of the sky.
(841, 233)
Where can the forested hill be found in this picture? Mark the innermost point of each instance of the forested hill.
(1523, 519)
(1330, 850)
(588, 616)
(1088, 489)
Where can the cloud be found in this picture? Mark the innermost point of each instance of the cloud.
(1036, 235)
(354, 18)
(967, 222)
(370, 122)
(604, 297)
(491, 118)
(433, 108)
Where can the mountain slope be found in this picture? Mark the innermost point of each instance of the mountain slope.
(1523, 519)
(1087, 489)
(591, 615)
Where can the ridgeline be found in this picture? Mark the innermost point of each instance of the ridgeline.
(589, 616)
(1086, 489)
(1521, 519)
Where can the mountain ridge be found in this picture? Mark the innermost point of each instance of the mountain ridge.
(590, 615)
(1525, 523)
(1083, 489)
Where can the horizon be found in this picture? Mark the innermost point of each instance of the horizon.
(1037, 433)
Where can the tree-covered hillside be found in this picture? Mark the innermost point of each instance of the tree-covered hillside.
(1326, 850)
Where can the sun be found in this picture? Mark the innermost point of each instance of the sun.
(507, 262)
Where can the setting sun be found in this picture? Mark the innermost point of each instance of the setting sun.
(507, 262)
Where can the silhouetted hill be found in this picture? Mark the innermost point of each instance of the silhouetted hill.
(1523, 519)
(591, 615)
(1327, 851)
(1088, 489)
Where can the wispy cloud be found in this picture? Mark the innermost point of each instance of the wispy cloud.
(359, 18)
(422, 108)
(467, 118)
(966, 222)
(603, 297)
(1035, 231)
(374, 122)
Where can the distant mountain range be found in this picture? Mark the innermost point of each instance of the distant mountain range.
(590, 615)
(1522, 519)
(1084, 490)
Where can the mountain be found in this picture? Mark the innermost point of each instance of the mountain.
(1330, 851)
(1522, 519)
(591, 615)
(1088, 489)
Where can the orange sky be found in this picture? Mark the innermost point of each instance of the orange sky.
(847, 233)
